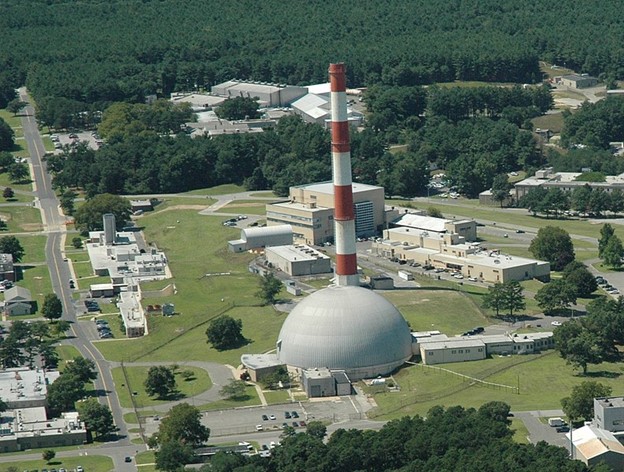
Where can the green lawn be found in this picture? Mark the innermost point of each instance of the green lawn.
(250, 400)
(543, 381)
(37, 280)
(89, 463)
(220, 190)
(201, 289)
(21, 219)
(12, 120)
(521, 433)
(263, 194)
(244, 208)
(82, 269)
(145, 457)
(427, 310)
(34, 248)
(276, 396)
(77, 255)
(6, 182)
(66, 353)
(136, 376)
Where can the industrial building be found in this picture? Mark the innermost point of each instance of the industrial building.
(126, 260)
(593, 446)
(22, 387)
(315, 107)
(298, 260)
(325, 383)
(199, 101)
(267, 94)
(344, 327)
(419, 221)
(258, 366)
(258, 238)
(29, 428)
(450, 251)
(566, 181)
(436, 348)
(577, 81)
(310, 212)
(609, 414)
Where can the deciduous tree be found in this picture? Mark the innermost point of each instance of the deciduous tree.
(270, 286)
(580, 404)
(172, 456)
(234, 390)
(52, 308)
(11, 245)
(553, 244)
(225, 332)
(613, 252)
(160, 382)
(97, 417)
(555, 295)
(8, 193)
(89, 215)
(183, 423)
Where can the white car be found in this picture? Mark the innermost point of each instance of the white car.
(472, 279)
(556, 323)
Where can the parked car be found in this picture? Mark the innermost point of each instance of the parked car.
(287, 415)
(265, 418)
(556, 323)
(295, 414)
(563, 429)
(272, 417)
(472, 279)
(479, 329)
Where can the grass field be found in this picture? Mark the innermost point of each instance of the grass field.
(276, 396)
(251, 399)
(199, 295)
(21, 219)
(220, 190)
(34, 248)
(244, 208)
(427, 310)
(66, 353)
(543, 381)
(12, 120)
(6, 182)
(200, 382)
(89, 463)
(37, 280)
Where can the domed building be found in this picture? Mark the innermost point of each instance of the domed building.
(345, 328)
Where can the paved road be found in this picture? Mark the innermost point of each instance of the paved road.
(54, 224)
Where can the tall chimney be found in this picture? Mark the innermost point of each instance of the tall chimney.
(344, 218)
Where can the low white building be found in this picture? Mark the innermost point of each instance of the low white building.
(298, 259)
(132, 314)
(258, 238)
(30, 428)
(22, 387)
(593, 445)
(452, 350)
(609, 414)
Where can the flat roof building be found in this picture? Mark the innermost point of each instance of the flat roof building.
(267, 94)
(448, 250)
(609, 414)
(260, 365)
(593, 445)
(298, 260)
(566, 181)
(310, 211)
(23, 387)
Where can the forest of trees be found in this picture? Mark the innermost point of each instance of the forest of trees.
(114, 50)
(448, 439)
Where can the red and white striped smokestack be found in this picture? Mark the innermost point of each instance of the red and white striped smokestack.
(344, 218)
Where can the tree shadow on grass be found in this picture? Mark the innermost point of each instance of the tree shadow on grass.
(605, 374)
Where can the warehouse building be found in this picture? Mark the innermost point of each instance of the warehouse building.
(22, 387)
(315, 107)
(593, 446)
(267, 94)
(450, 251)
(321, 382)
(566, 181)
(577, 81)
(310, 212)
(258, 238)
(417, 221)
(259, 366)
(298, 260)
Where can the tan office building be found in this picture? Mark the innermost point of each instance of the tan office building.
(310, 211)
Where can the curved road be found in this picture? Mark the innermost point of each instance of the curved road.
(60, 274)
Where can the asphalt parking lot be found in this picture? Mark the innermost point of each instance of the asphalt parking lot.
(81, 136)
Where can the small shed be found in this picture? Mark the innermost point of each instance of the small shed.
(19, 301)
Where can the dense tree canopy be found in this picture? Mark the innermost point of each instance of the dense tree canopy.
(89, 215)
(580, 404)
(160, 381)
(448, 439)
(225, 332)
(183, 424)
(553, 244)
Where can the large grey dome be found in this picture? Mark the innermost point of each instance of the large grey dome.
(347, 328)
